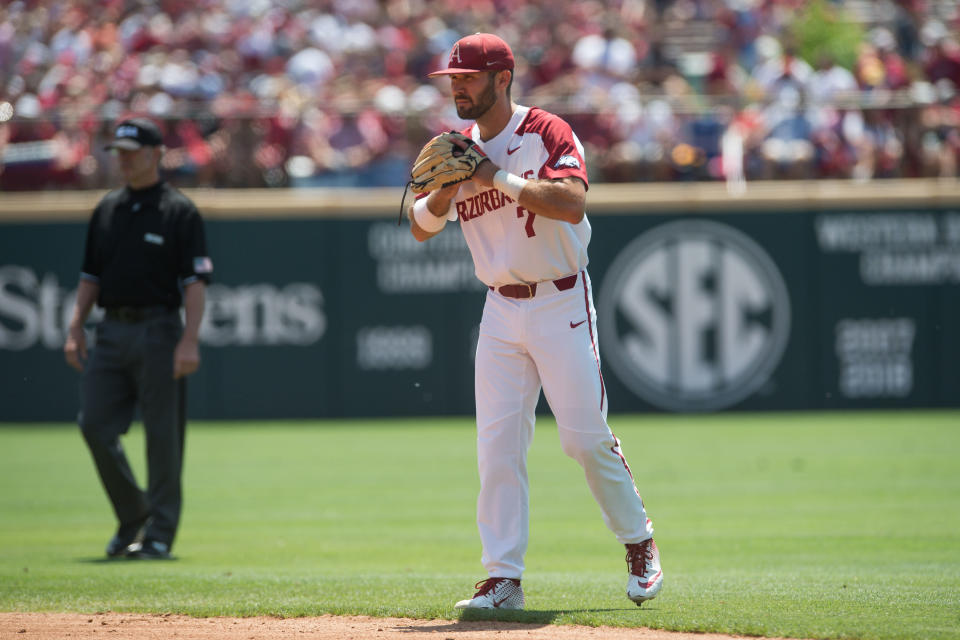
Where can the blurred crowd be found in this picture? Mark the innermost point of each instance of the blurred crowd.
(275, 93)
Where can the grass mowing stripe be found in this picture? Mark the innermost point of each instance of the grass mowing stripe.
(827, 525)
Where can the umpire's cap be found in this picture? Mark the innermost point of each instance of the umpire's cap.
(476, 53)
(135, 133)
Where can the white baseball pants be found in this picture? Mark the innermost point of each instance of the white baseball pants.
(548, 340)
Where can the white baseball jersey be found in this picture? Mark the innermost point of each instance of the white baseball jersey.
(509, 243)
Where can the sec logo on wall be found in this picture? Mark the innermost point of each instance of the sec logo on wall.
(694, 316)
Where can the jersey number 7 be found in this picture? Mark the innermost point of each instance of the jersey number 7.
(520, 211)
(529, 225)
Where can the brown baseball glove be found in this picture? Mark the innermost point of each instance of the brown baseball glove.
(446, 160)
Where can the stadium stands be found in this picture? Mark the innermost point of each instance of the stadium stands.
(275, 93)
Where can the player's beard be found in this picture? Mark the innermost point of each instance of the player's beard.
(483, 103)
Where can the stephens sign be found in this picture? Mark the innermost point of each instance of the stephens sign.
(35, 310)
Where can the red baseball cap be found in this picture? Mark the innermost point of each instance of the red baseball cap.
(476, 53)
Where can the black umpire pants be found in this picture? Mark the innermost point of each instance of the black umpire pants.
(130, 366)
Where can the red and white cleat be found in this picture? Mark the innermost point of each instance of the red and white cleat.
(495, 593)
(646, 577)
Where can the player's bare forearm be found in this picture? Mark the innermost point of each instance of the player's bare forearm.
(194, 300)
(438, 203)
(562, 199)
(186, 355)
(87, 293)
(75, 343)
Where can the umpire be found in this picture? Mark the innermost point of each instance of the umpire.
(145, 256)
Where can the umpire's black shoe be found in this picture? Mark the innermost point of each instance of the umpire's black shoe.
(149, 550)
(126, 536)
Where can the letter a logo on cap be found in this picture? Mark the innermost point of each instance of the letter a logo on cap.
(478, 53)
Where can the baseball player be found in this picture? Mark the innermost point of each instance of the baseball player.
(516, 182)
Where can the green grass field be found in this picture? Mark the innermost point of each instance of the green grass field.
(807, 525)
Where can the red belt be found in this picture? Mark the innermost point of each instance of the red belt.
(529, 290)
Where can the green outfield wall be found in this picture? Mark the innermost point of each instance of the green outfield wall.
(788, 296)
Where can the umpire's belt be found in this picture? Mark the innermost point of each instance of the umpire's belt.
(136, 314)
(528, 290)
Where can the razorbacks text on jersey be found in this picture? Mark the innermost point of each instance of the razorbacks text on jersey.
(509, 243)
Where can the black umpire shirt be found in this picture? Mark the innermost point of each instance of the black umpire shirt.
(143, 245)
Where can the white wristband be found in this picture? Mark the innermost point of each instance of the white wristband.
(509, 184)
(425, 218)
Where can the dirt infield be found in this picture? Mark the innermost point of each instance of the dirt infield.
(138, 626)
